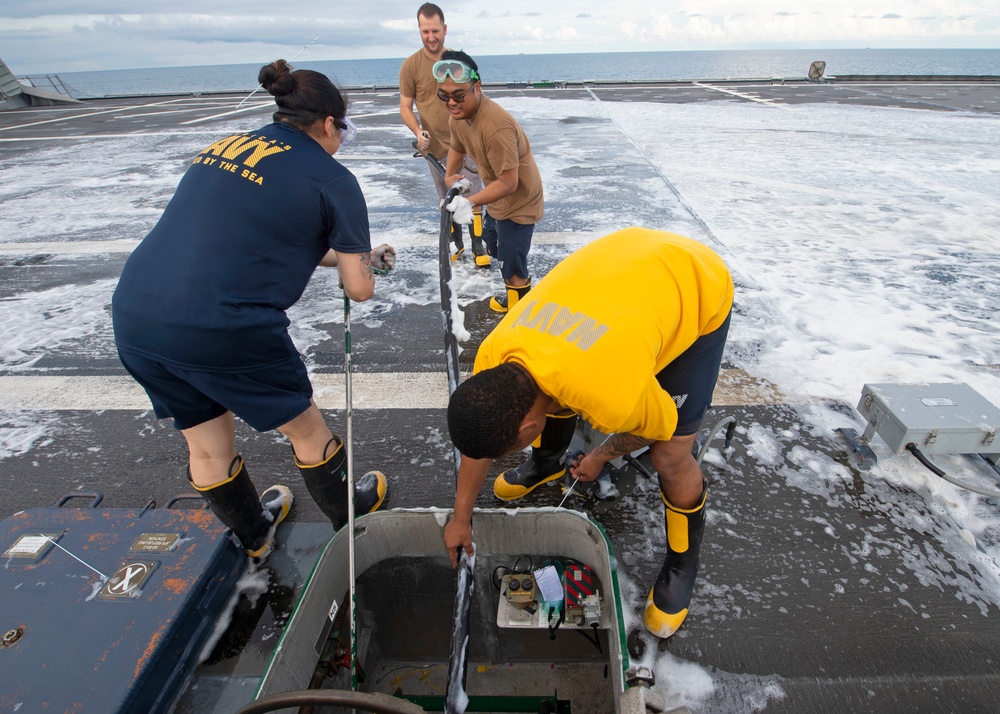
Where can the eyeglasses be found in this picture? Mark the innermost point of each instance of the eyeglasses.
(348, 130)
(456, 69)
(457, 97)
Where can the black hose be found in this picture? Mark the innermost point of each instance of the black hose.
(727, 421)
(730, 433)
(913, 449)
(637, 465)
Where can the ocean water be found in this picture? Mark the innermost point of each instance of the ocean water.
(617, 66)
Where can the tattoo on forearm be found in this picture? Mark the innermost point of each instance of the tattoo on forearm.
(620, 444)
(366, 262)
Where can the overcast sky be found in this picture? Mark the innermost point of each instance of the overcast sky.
(54, 35)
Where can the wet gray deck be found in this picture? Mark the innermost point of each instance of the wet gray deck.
(784, 598)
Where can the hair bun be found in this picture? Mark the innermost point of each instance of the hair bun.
(276, 78)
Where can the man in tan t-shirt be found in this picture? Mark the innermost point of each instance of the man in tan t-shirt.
(485, 131)
(417, 86)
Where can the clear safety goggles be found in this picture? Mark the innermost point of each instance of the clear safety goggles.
(456, 69)
(348, 130)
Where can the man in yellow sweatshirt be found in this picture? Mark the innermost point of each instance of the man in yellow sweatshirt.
(636, 353)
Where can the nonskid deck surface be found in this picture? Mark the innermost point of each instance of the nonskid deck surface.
(823, 588)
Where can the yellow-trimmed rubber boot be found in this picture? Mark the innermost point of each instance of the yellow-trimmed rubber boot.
(456, 238)
(505, 302)
(476, 231)
(546, 463)
(482, 255)
(667, 604)
(253, 520)
(327, 484)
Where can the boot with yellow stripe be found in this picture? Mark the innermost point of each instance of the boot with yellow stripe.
(546, 463)
(513, 293)
(478, 246)
(479, 251)
(456, 238)
(668, 601)
(327, 484)
(235, 503)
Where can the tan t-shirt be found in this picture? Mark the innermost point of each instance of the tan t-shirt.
(497, 143)
(417, 81)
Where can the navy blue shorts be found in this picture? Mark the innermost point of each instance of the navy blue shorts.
(263, 398)
(509, 243)
(690, 379)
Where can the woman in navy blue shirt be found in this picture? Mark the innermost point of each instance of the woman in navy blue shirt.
(199, 311)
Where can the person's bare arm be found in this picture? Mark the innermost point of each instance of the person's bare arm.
(453, 166)
(409, 118)
(356, 274)
(505, 185)
(458, 533)
(589, 467)
(329, 260)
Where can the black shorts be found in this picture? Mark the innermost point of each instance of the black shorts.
(263, 398)
(690, 379)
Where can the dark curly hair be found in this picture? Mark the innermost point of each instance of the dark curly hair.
(303, 96)
(485, 411)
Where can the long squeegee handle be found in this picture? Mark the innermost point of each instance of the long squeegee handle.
(455, 698)
(435, 164)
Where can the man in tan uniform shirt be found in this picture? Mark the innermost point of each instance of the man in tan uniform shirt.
(417, 86)
(484, 130)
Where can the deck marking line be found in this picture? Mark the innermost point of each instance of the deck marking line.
(83, 116)
(748, 97)
(248, 108)
(127, 245)
(371, 390)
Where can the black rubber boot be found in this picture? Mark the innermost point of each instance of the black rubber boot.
(480, 253)
(456, 238)
(546, 463)
(505, 302)
(327, 484)
(667, 604)
(253, 520)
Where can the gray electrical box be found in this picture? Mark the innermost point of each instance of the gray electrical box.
(939, 418)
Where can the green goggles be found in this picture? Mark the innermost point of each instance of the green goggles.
(456, 69)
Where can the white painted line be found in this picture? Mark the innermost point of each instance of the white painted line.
(248, 108)
(378, 157)
(88, 115)
(380, 390)
(400, 390)
(387, 112)
(133, 135)
(182, 110)
(83, 247)
(98, 247)
(66, 109)
(271, 105)
(741, 95)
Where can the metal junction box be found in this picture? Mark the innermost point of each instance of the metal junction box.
(74, 642)
(939, 418)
